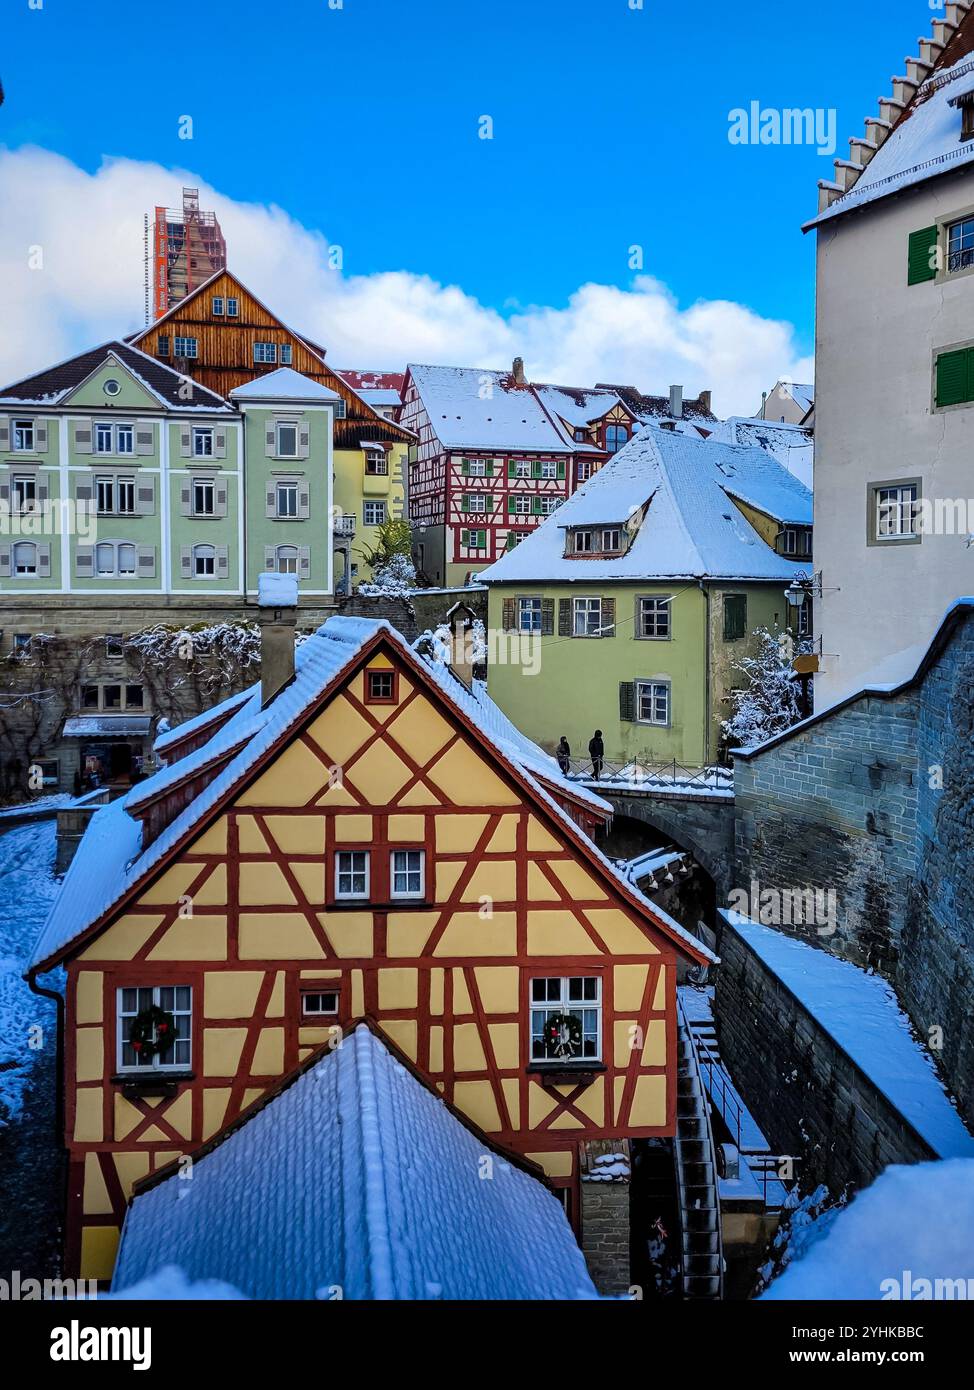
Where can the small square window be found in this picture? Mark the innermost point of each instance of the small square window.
(352, 873)
(217, 307)
(319, 1003)
(408, 873)
(233, 309)
(381, 687)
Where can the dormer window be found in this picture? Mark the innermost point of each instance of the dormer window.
(610, 539)
(795, 540)
(584, 542)
(615, 437)
(967, 118)
(605, 541)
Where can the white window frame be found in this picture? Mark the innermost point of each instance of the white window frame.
(522, 504)
(549, 469)
(562, 1002)
(584, 470)
(964, 251)
(190, 346)
(531, 605)
(287, 488)
(233, 308)
(476, 504)
(218, 307)
(522, 468)
(285, 425)
(548, 505)
(202, 553)
(352, 872)
(127, 433)
(407, 893)
(153, 1064)
(608, 543)
(476, 468)
(370, 509)
(588, 610)
(204, 489)
(661, 607)
(18, 429)
(103, 429)
(654, 687)
(265, 354)
(319, 993)
(30, 569)
(584, 542)
(894, 495)
(203, 443)
(23, 492)
(288, 553)
(286, 355)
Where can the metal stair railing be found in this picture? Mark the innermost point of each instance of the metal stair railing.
(701, 1244)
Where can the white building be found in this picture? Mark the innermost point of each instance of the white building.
(894, 352)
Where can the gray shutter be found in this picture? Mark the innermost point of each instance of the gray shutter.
(40, 436)
(5, 553)
(5, 487)
(222, 561)
(82, 437)
(44, 561)
(304, 561)
(270, 501)
(186, 498)
(5, 441)
(304, 499)
(145, 496)
(144, 441)
(608, 617)
(304, 440)
(270, 441)
(627, 701)
(85, 489)
(220, 498)
(547, 617)
(147, 561)
(564, 617)
(42, 488)
(185, 441)
(84, 561)
(220, 443)
(186, 561)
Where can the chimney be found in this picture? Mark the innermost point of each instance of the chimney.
(676, 402)
(461, 620)
(517, 372)
(704, 399)
(277, 614)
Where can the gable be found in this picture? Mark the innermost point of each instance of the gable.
(90, 393)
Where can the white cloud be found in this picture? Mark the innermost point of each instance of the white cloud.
(89, 229)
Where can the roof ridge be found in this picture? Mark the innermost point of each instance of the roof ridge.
(377, 1226)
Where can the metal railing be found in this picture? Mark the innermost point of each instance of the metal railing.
(646, 775)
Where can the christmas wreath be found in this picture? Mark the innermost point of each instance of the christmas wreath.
(153, 1030)
(562, 1035)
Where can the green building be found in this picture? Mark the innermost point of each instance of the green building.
(628, 610)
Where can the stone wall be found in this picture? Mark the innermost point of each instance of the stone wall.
(808, 1096)
(605, 1235)
(875, 801)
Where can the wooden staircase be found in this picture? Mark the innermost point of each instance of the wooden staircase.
(696, 1175)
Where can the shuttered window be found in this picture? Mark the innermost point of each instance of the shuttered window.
(922, 256)
(955, 377)
(735, 616)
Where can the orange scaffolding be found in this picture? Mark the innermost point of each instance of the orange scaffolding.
(187, 248)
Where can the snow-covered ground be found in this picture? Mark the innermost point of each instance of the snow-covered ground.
(910, 1236)
(27, 1021)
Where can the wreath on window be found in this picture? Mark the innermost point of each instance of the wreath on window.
(562, 1036)
(153, 1030)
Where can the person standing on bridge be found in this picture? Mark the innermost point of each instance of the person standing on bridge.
(564, 755)
(596, 751)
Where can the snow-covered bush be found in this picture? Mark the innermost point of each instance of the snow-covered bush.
(769, 703)
(392, 579)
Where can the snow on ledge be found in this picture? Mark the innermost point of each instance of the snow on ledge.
(277, 591)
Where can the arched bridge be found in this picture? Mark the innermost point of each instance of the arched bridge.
(697, 815)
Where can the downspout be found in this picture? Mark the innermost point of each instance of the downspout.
(707, 705)
(58, 1091)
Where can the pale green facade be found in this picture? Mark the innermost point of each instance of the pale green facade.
(577, 685)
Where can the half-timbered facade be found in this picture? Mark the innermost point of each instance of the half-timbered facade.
(372, 839)
(494, 456)
(223, 336)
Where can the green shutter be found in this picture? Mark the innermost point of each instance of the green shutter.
(511, 508)
(511, 468)
(490, 467)
(464, 537)
(465, 466)
(536, 468)
(561, 469)
(922, 257)
(465, 502)
(489, 504)
(955, 377)
(735, 616)
(535, 506)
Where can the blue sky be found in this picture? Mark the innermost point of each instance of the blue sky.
(610, 128)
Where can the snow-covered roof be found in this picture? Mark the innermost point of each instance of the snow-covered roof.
(925, 143)
(171, 735)
(284, 384)
(110, 861)
(471, 408)
(356, 1180)
(860, 1012)
(912, 1227)
(691, 528)
(53, 385)
(791, 445)
(802, 393)
(578, 406)
(379, 397)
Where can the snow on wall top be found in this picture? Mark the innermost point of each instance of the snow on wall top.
(917, 1219)
(277, 590)
(357, 1177)
(110, 859)
(284, 384)
(691, 526)
(923, 145)
(861, 1013)
(469, 408)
